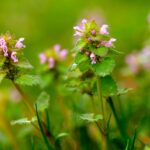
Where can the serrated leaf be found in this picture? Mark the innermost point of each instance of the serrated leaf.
(42, 101)
(104, 67)
(80, 44)
(23, 121)
(2, 76)
(23, 63)
(90, 117)
(84, 66)
(108, 86)
(101, 51)
(60, 135)
(80, 58)
(26, 79)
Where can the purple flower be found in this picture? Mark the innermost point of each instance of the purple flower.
(80, 29)
(42, 58)
(93, 32)
(108, 43)
(3, 46)
(51, 62)
(57, 48)
(13, 57)
(103, 29)
(63, 54)
(19, 43)
(93, 58)
(133, 63)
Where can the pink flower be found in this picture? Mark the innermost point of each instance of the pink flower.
(51, 62)
(93, 32)
(13, 57)
(103, 29)
(42, 58)
(84, 21)
(3, 46)
(80, 29)
(19, 43)
(57, 48)
(93, 58)
(108, 43)
(63, 54)
(132, 61)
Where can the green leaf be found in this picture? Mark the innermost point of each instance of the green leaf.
(108, 86)
(23, 63)
(23, 121)
(80, 57)
(90, 117)
(49, 147)
(84, 66)
(101, 51)
(26, 79)
(2, 76)
(105, 67)
(43, 101)
(80, 44)
(2, 60)
(127, 146)
(122, 91)
(60, 135)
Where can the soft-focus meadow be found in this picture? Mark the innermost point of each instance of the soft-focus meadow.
(44, 23)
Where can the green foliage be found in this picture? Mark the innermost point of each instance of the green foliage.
(2, 76)
(101, 51)
(23, 63)
(108, 86)
(2, 60)
(80, 44)
(26, 79)
(105, 67)
(90, 117)
(61, 135)
(23, 121)
(42, 101)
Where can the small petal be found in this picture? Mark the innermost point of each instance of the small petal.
(103, 29)
(5, 50)
(84, 21)
(108, 43)
(42, 58)
(78, 33)
(93, 32)
(19, 43)
(63, 54)
(57, 47)
(13, 57)
(93, 58)
(51, 62)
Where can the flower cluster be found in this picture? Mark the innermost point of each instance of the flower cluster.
(94, 38)
(139, 60)
(53, 55)
(9, 47)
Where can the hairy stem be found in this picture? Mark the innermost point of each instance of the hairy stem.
(100, 98)
(104, 133)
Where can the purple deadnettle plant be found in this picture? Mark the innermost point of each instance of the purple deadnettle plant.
(53, 56)
(94, 58)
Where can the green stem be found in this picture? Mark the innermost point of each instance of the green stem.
(121, 128)
(100, 97)
(104, 133)
(49, 147)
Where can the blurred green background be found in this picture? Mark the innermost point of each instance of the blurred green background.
(47, 22)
